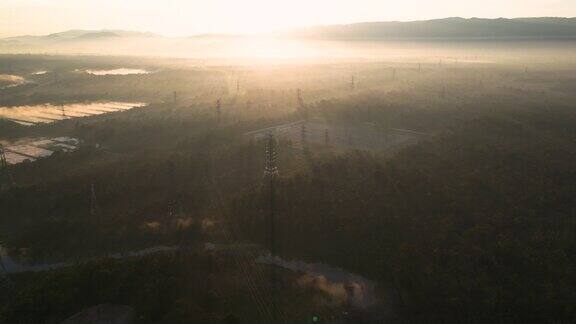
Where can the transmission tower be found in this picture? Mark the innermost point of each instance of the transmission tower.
(303, 134)
(218, 110)
(4, 168)
(271, 172)
(419, 67)
(270, 169)
(93, 202)
(4, 278)
(352, 84)
(326, 138)
(3, 162)
(299, 99)
(5, 281)
(63, 110)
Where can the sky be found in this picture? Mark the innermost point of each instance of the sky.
(190, 17)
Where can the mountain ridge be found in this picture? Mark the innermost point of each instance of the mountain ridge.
(451, 27)
(81, 34)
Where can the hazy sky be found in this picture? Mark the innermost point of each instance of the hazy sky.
(187, 17)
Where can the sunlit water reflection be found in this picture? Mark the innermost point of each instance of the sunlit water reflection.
(121, 71)
(48, 113)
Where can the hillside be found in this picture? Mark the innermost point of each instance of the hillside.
(76, 35)
(448, 28)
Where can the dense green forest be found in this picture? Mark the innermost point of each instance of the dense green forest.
(473, 223)
(179, 287)
(476, 225)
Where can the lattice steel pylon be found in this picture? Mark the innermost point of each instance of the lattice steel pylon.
(303, 135)
(5, 170)
(3, 162)
(4, 274)
(270, 169)
(218, 110)
(93, 203)
(299, 100)
(271, 172)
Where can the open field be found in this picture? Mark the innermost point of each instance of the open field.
(29, 150)
(47, 113)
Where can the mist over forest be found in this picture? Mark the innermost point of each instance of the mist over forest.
(379, 172)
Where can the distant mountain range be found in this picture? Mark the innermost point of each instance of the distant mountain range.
(447, 28)
(78, 35)
(546, 27)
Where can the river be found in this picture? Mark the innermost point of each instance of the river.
(11, 266)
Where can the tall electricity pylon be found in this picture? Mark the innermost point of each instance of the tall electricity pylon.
(4, 168)
(270, 173)
(3, 162)
(93, 203)
(218, 110)
(299, 100)
(4, 274)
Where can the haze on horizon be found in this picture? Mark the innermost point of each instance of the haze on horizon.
(184, 18)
